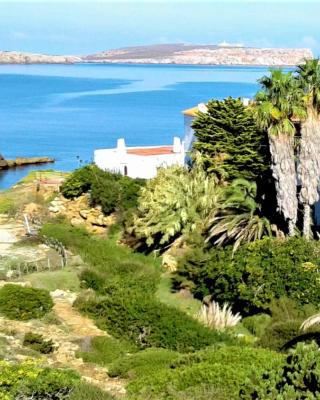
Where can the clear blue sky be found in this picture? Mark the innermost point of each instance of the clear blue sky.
(81, 27)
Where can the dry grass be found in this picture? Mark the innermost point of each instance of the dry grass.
(216, 317)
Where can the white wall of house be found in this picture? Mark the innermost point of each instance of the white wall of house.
(135, 165)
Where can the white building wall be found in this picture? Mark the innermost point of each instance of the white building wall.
(136, 166)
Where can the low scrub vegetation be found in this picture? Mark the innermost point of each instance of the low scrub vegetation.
(37, 342)
(27, 380)
(113, 192)
(251, 278)
(23, 303)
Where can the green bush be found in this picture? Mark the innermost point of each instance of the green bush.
(297, 378)
(23, 303)
(78, 182)
(278, 334)
(126, 305)
(111, 191)
(145, 362)
(146, 322)
(28, 380)
(221, 370)
(257, 324)
(36, 342)
(105, 349)
(255, 275)
(84, 391)
(92, 280)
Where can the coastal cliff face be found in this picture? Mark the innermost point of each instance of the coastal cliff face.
(202, 55)
(15, 57)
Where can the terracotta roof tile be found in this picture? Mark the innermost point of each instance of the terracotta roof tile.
(151, 151)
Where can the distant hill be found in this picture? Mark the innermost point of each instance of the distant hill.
(180, 53)
(16, 57)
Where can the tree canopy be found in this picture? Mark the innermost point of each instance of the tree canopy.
(230, 141)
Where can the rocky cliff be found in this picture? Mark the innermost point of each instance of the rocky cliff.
(15, 57)
(202, 55)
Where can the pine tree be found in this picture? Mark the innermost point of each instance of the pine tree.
(230, 142)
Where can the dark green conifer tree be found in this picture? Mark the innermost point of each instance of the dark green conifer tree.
(230, 142)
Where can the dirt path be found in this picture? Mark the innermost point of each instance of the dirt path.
(75, 328)
(78, 324)
(8, 235)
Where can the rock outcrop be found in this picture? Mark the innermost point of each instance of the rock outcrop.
(79, 213)
(3, 162)
(16, 57)
(21, 161)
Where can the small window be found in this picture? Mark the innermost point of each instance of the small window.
(125, 171)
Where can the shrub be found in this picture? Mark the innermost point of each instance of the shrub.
(257, 324)
(221, 369)
(278, 334)
(104, 350)
(78, 182)
(147, 322)
(174, 203)
(111, 191)
(297, 378)
(84, 391)
(92, 279)
(36, 342)
(28, 380)
(126, 305)
(145, 362)
(23, 303)
(255, 275)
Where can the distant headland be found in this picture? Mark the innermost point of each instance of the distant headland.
(179, 53)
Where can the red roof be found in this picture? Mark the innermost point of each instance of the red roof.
(151, 151)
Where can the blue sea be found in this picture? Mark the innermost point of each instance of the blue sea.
(67, 111)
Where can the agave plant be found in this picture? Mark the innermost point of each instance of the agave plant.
(216, 317)
(240, 219)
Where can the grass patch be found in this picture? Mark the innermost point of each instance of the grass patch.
(189, 305)
(105, 350)
(84, 391)
(64, 279)
(7, 205)
(43, 174)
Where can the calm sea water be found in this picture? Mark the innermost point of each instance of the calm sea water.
(67, 111)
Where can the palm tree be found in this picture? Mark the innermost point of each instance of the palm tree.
(309, 149)
(278, 103)
(240, 219)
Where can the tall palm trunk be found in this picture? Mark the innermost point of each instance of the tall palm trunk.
(284, 174)
(309, 167)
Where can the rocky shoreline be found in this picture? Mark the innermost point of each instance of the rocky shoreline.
(23, 161)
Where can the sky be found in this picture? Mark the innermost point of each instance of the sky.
(84, 27)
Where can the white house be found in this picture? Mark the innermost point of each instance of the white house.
(140, 162)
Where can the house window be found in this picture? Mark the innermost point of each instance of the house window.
(125, 171)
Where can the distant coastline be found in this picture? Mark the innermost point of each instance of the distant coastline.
(172, 54)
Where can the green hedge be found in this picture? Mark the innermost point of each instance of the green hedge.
(255, 275)
(23, 303)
